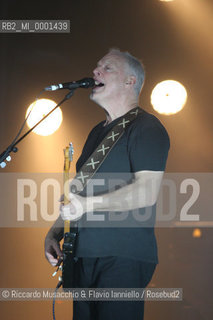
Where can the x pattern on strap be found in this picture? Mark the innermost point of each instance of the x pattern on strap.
(103, 148)
(135, 112)
(92, 163)
(82, 177)
(123, 123)
(113, 136)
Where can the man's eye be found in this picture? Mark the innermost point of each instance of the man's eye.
(107, 67)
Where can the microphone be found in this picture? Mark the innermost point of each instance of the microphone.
(83, 83)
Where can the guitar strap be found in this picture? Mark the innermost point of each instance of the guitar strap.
(94, 162)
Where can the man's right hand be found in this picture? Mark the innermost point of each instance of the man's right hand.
(53, 252)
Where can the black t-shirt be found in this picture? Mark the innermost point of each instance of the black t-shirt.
(143, 146)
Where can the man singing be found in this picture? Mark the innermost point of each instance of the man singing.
(123, 255)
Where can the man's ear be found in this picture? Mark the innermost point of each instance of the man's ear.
(131, 80)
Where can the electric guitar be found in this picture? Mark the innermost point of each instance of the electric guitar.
(70, 233)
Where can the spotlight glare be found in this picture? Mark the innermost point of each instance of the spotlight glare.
(168, 97)
(39, 109)
(197, 233)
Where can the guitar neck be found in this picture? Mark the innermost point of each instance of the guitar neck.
(66, 187)
(66, 200)
(68, 158)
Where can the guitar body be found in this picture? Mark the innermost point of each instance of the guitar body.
(68, 268)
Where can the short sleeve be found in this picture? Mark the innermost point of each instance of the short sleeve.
(148, 147)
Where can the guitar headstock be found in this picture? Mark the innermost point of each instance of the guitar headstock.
(68, 156)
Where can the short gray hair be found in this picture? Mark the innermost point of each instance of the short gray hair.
(135, 67)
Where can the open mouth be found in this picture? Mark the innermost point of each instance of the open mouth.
(98, 84)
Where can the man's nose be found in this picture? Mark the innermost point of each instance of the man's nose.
(96, 71)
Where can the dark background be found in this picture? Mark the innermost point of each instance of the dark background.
(174, 41)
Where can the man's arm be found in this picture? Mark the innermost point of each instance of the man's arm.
(140, 193)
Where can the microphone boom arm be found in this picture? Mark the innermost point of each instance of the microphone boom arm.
(12, 147)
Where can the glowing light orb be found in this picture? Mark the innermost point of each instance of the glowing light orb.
(168, 97)
(197, 233)
(38, 110)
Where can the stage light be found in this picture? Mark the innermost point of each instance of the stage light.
(166, 0)
(168, 97)
(38, 110)
(197, 233)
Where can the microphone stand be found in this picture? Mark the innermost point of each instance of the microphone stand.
(5, 155)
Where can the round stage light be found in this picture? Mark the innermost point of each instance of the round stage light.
(38, 109)
(168, 97)
(197, 233)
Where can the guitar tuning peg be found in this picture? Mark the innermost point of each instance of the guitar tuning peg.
(3, 165)
(8, 158)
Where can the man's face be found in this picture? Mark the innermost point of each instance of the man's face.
(110, 76)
